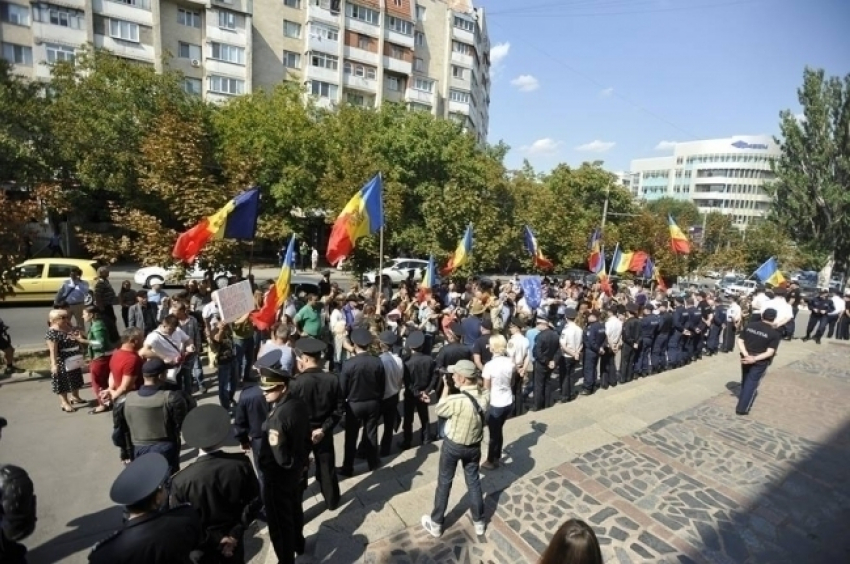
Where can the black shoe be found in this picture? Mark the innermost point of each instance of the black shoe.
(817, 340)
(403, 445)
(806, 338)
(344, 472)
(741, 413)
(586, 392)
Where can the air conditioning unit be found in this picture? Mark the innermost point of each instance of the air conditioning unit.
(196, 63)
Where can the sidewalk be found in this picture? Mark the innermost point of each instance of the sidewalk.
(662, 468)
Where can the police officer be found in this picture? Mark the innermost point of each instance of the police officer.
(819, 306)
(718, 322)
(420, 379)
(321, 392)
(284, 456)
(150, 533)
(757, 343)
(547, 347)
(793, 297)
(571, 347)
(649, 325)
(675, 346)
(659, 346)
(631, 344)
(362, 381)
(693, 344)
(221, 485)
(593, 342)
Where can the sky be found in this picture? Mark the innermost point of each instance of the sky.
(615, 80)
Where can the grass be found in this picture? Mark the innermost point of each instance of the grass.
(33, 361)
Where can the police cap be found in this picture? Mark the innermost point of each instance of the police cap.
(571, 313)
(154, 367)
(361, 337)
(271, 378)
(415, 340)
(207, 426)
(140, 479)
(269, 360)
(311, 346)
(388, 338)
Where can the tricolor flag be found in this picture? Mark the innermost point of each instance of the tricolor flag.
(621, 261)
(604, 280)
(596, 260)
(429, 279)
(236, 220)
(540, 261)
(678, 240)
(461, 254)
(362, 216)
(278, 293)
(769, 273)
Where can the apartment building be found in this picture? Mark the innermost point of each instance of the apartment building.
(431, 55)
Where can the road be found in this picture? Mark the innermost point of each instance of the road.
(28, 322)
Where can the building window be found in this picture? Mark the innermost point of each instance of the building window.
(464, 24)
(292, 29)
(397, 3)
(355, 99)
(227, 20)
(293, 4)
(459, 96)
(364, 42)
(228, 53)
(401, 26)
(419, 37)
(361, 13)
(56, 53)
(225, 85)
(393, 83)
(458, 72)
(456, 117)
(418, 64)
(396, 52)
(371, 73)
(323, 31)
(17, 54)
(126, 31)
(14, 13)
(188, 18)
(462, 48)
(192, 86)
(420, 13)
(419, 107)
(323, 89)
(423, 85)
(291, 60)
(143, 4)
(325, 61)
(188, 51)
(54, 15)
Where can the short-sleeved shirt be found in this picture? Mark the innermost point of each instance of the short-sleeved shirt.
(758, 336)
(126, 363)
(310, 320)
(481, 347)
(168, 348)
(500, 372)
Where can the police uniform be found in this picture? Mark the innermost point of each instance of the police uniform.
(718, 321)
(547, 354)
(362, 381)
(321, 392)
(631, 345)
(154, 536)
(694, 340)
(649, 325)
(222, 486)
(676, 344)
(593, 342)
(819, 307)
(284, 456)
(757, 337)
(420, 377)
(659, 346)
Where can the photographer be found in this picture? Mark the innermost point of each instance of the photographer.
(463, 405)
(8, 351)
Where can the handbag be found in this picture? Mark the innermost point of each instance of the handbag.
(75, 362)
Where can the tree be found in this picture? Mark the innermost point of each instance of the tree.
(812, 187)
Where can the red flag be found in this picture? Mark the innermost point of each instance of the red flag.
(638, 261)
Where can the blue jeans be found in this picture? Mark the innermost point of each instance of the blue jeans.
(450, 454)
(227, 382)
(244, 349)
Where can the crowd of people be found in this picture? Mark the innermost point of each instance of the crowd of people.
(480, 351)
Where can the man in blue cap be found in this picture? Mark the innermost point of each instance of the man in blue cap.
(149, 534)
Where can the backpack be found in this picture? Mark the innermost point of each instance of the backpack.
(18, 503)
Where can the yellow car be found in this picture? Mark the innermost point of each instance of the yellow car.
(39, 279)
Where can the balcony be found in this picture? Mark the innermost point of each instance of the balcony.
(241, 6)
(420, 96)
(323, 44)
(463, 35)
(360, 83)
(47, 33)
(362, 27)
(398, 38)
(397, 65)
(137, 51)
(460, 83)
(238, 36)
(122, 11)
(319, 14)
(458, 107)
(461, 59)
(214, 66)
(361, 55)
(321, 73)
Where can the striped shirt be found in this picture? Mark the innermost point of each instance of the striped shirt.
(464, 425)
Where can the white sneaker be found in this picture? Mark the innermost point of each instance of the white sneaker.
(480, 527)
(433, 529)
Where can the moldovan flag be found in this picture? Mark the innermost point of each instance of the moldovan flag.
(461, 254)
(430, 278)
(278, 293)
(236, 220)
(621, 261)
(596, 260)
(540, 261)
(677, 239)
(769, 273)
(362, 216)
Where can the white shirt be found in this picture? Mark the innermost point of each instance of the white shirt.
(518, 349)
(784, 311)
(500, 372)
(839, 304)
(210, 310)
(522, 307)
(394, 373)
(168, 348)
(733, 312)
(571, 338)
(759, 302)
(614, 332)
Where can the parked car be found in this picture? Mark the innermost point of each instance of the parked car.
(175, 276)
(398, 270)
(743, 288)
(39, 280)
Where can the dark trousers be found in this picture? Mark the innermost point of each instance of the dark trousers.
(814, 321)
(12, 552)
(588, 369)
(608, 369)
(256, 444)
(496, 417)
(831, 321)
(674, 349)
(565, 377)
(659, 352)
(728, 338)
(712, 343)
(171, 452)
(541, 384)
(627, 362)
(751, 375)
(413, 404)
(843, 328)
(470, 456)
(642, 366)
(519, 394)
(389, 417)
(285, 516)
(687, 353)
(325, 457)
(822, 324)
(365, 414)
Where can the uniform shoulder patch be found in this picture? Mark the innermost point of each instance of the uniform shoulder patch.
(274, 437)
(108, 539)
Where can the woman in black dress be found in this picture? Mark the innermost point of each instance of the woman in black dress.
(66, 359)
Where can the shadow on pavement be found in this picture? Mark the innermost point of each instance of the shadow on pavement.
(87, 531)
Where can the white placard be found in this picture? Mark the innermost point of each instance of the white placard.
(234, 301)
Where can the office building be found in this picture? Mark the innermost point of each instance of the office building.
(718, 175)
(431, 55)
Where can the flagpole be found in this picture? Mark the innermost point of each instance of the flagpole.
(611, 268)
(251, 257)
(380, 300)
